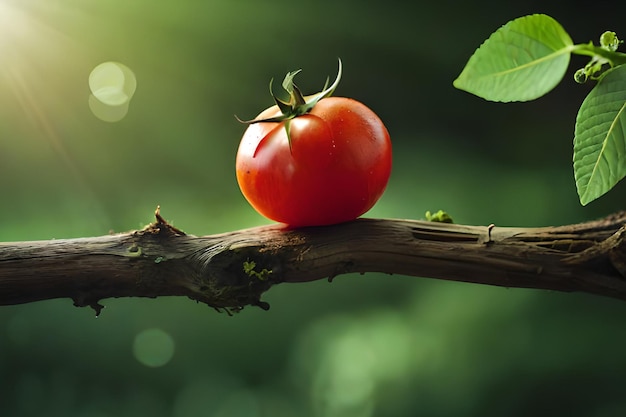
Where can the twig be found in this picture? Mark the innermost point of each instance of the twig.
(231, 270)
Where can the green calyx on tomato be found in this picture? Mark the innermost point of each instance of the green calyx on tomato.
(298, 104)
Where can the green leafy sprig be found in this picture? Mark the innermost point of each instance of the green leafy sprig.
(527, 57)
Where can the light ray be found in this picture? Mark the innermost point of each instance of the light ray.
(36, 63)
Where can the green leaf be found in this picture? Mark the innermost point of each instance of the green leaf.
(600, 137)
(523, 60)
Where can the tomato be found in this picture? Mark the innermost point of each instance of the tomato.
(326, 166)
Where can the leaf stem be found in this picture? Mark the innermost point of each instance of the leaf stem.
(589, 49)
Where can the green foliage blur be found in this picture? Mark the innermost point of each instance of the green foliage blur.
(363, 346)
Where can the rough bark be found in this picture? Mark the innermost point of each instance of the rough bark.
(229, 271)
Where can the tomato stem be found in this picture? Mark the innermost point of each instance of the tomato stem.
(298, 104)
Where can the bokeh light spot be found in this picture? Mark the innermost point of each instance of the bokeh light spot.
(112, 87)
(347, 361)
(153, 347)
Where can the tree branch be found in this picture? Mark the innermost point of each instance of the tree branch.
(231, 270)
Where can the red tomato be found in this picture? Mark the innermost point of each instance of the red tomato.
(334, 170)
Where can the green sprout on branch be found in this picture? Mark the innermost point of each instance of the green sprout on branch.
(440, 217)
(249, 269)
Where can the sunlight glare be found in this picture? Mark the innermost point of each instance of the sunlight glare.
(39, 83)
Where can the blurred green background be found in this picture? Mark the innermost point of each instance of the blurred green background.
(363, 346)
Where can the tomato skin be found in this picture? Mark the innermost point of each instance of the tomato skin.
(337, 167)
